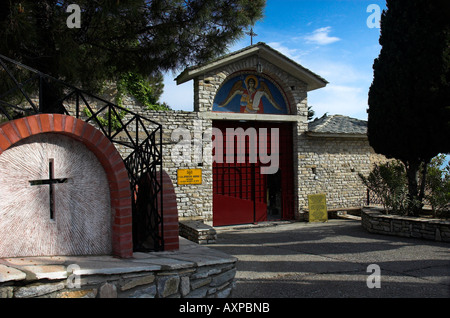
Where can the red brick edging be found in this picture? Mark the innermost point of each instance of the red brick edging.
(170, 215)
(119, 185)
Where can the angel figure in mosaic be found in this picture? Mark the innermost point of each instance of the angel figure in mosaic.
(251, 95)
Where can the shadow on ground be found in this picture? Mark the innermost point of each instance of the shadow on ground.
(322, 260)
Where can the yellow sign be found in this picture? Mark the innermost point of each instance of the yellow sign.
(189, 176)
(317, 205)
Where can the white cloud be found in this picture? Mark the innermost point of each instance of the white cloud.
(293, 54)
(347, 91)
(321, 37)
(339, 72)
(339, 99)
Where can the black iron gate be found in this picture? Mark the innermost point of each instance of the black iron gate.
(22, 93)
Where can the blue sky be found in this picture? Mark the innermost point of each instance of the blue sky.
(329, 37)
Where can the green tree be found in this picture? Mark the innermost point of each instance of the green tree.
(145, 90)
(117, 37)
(409, 99)
(438, 185)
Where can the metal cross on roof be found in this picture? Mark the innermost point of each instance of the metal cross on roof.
(252, 34)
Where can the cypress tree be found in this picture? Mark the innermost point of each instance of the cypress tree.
(409, 99)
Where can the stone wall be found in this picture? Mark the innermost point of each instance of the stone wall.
(194, 201)
(198, 232)
(193, 272)
(331, 166)
(424, 228)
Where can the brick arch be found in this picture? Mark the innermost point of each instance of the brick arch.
(119, 185)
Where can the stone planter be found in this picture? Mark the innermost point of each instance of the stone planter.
(374, 221)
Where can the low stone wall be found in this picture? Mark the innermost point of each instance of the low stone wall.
(192, 272)
(198, 232)
(430, 229)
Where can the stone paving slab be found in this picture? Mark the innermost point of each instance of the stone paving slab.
(53, 268)
(8, 273)
(166, 263)
(37, 272)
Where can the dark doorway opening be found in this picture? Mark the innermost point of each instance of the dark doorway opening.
(242, 193)
(274, 196)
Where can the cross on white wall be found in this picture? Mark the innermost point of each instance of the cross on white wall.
(50, 181)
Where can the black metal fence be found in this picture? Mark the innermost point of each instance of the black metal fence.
(25, 91)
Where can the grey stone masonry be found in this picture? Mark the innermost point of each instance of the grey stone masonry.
(192, 272)
(198, 232)
(192, 131)
(331, 165)
(430, 229)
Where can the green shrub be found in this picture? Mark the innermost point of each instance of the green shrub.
(103, 120)
(146, 90)
(389, 182)
(438, 186)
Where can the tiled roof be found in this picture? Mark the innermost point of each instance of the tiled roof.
(338, 125)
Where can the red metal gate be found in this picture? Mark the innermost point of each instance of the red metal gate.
(241, 193)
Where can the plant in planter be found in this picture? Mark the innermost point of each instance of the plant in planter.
(438, 187)
(389, 182)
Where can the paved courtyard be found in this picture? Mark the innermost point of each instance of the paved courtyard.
(318, 260)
